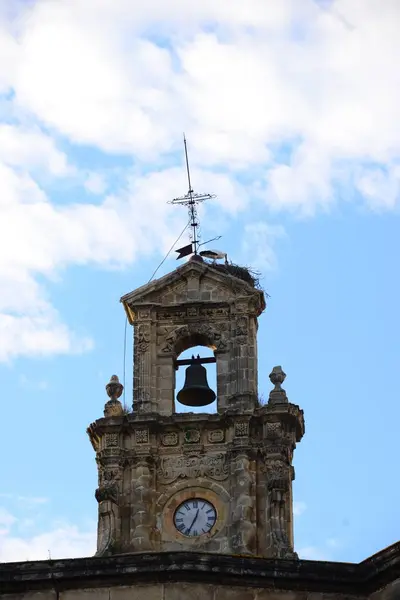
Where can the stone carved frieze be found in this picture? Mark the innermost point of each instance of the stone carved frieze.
(109, 452)
(192, 436)
(200, 312)
(216, 436)
(273, 431)
(142, 436)
(214, 312)
(213, 466)
(241, 428)
(171, 314)
(111, 439)
(170, 438)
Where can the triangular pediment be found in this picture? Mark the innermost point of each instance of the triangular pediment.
(193, 281)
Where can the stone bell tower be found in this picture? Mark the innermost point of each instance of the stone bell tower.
(203, 482)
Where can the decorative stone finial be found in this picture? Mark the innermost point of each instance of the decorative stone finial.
(114, 389)
(278, 394)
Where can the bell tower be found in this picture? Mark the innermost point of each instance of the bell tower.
(193, 481)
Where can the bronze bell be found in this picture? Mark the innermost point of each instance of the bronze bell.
(196, 391)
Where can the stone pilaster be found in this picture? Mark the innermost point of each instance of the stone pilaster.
(143, 516)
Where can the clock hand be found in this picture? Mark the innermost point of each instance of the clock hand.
(193, 521)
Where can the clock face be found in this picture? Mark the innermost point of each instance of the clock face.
(195, 517)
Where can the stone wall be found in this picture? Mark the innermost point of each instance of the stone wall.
(200, 576)
(181, 591)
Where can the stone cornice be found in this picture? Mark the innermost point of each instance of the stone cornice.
(141, 296)
(348, 578)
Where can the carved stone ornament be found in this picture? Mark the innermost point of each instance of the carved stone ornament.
(216, 436)
(108, 476)
(111, 439)
(143, 338)
(241, 326)
(142, 436)
(144, 314)
(277, 475)
(278, 394)
(113, 408)
(241, 428)
(193, 466)
(107, 492)
(114, 389)
(170, 439)
(273, 431)
(192, 436)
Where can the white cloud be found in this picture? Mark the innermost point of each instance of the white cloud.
(24, 147)
(23, 538)
(258, 242)
(6, 520)
(299, 508)
(67, 541)
(95, 183)
(280, 97)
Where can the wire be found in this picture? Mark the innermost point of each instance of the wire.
(170, 250)
(126, 318)
(124, 369)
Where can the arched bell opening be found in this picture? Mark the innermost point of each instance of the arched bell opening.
(196, 381)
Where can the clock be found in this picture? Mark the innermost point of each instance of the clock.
(195, 517)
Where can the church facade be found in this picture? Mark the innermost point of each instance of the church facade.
(195, 504)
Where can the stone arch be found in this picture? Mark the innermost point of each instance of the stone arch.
(196, 334)
(191, 340)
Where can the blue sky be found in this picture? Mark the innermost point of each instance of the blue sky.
(291, 119)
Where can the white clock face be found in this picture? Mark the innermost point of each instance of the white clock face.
(195, 517)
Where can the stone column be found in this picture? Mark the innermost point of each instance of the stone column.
(165, 385)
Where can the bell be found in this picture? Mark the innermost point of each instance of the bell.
(196, 391)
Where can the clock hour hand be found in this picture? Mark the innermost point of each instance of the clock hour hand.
(193, 522)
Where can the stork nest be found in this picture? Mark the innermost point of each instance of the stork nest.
(244, 273)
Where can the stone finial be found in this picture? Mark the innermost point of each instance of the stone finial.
(114, 389)
(278, 394)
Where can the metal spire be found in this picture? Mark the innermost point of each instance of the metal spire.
(190, 200)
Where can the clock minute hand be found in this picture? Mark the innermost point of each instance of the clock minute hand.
(193, 522)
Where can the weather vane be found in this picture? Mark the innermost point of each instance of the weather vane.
(191, 199)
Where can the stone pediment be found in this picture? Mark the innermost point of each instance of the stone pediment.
(194, 281)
